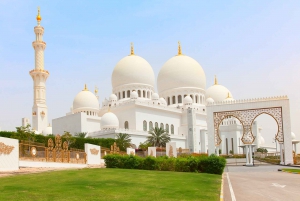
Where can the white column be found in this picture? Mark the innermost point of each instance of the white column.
(281, 154)
(218, 148)
(251, 159)
(247, 155)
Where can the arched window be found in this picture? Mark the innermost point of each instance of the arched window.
(139, 93)
(185, 95)
(179, 99)
(144, 94)
(156, 125)
(119, 95)
(128, 94)
(126, 125)
(167, 128)
(168, 100)
(150, 125)
(173, 100)
(148, 94)
(162, 125)
(172, 129)
(123, 94)
(145, 125)
(196, 99)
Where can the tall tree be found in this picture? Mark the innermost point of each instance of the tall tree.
(123, 141)
(24, 133)
(158, 137)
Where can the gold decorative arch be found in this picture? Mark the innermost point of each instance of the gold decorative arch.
(247, 117)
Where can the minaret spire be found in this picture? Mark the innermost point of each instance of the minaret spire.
(38, 17)
(216, 80)
(131, 49)
(179, 49)
(39, 76)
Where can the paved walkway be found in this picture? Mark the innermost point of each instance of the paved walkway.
(260, 183)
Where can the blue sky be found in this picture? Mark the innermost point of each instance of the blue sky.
(252, 46)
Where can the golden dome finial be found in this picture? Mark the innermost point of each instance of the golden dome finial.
(179, 48)
(38, 17)
(228, 95)
(131, 49)
(85, 88)
(96, 90)
(216, 80)
(108, 110)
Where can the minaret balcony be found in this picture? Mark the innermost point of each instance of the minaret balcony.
(39, 71)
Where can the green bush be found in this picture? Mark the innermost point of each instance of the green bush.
(208, 164)
(149, 163)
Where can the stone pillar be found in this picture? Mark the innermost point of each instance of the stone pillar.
(247, 155)
(218, 148)
(281, 154)
(250, 154)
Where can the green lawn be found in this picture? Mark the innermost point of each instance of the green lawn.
(111, 184)
(291, 170)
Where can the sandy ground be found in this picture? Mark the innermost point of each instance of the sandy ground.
(28, 170)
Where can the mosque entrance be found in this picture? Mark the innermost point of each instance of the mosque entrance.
(246, 112)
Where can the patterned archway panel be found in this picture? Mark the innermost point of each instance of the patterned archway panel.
(246, 118)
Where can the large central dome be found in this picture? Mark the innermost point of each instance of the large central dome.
(132, 69)
(181, 71)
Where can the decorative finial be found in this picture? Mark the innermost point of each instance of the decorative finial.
(228, 95)
(216, 80)
(108, 110)
(179, 48)
(131, 49)
(85, 88)
(38, 17)
(96, 90)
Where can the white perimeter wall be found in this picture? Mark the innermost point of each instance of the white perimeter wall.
(93, 154)
(9, 162)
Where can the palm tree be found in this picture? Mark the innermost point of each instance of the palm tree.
(123, 141)
(159, 137)
(81, 134)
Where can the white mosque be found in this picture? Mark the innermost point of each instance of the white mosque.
(134, 107)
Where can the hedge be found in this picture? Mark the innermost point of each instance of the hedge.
(206, 164)
(78, 144)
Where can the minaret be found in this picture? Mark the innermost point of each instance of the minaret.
(39, 76)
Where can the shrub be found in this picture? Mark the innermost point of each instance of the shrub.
(212, 164)
(149, 163)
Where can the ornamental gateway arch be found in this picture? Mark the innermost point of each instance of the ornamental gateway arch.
(246, 111)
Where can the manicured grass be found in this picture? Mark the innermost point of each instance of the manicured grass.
(291, 170)
(111, 184)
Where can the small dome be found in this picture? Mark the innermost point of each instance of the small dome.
(132, 69)
(85, 100)
(162, 101)
(188, 100)
(210, 100)
(293, 136)
(181, 71)
(262, 140)
(229, 98)
(155, 96)
(113, 97)
(109, 121)
(47, 130)
(134, 95)
(218, 92)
